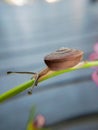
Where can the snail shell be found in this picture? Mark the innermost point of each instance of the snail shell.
(63, 58)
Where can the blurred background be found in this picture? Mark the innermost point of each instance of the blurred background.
(30, 29)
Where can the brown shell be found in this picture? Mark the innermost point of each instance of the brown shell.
(63, 58)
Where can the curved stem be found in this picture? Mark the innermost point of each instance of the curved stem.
(16, 90)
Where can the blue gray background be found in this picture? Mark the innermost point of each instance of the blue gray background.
(27, 34)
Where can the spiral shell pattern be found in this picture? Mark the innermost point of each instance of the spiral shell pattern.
(63, 58)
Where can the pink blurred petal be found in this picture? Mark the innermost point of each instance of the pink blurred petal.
(39, 121)
(96, 47)
(95, 77)
(93, 56)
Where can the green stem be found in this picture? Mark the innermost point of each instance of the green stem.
(16, 90)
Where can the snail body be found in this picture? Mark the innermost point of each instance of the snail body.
(61, 59)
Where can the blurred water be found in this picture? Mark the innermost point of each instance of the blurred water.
(30, 32)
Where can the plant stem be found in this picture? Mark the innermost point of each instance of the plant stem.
(16, 90)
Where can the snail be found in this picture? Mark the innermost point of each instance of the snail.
(61, 59)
